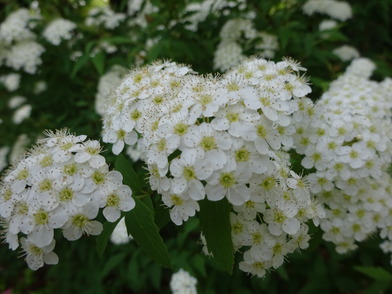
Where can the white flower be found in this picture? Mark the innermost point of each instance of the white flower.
(26, 56)
(58, 30)
(181, 206)
(117, 201)
(81, 221)
(36, 256)
(188, 171)
(90, 153)
(11, 81)
(229, 182)
(120, 234)
(183, 282)
(21, 114)
(346, 52)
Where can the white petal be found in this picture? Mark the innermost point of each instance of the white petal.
(111, 213)
(81, 157)
(291, 226)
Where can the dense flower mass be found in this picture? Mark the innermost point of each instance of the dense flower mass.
(207, 137)
(347, 141)
(61, 184)
(183, 283)
(236, 35)
(58, 30)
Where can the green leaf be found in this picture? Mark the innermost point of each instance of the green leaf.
(216, 228)
(112, 262)
(130, 177)
(162, 216)
(82, 60)
(140, 224)
(99, 62)
(118, 40)
(103, 238)
(376, 273)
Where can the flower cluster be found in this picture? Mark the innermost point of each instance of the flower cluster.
(338, 10)
(347, 141)
(207, 137)
(104, 16)
(17, 42)
(106, 85)
(183, 283)
(235, 34)
(58, 30)
(61, 184)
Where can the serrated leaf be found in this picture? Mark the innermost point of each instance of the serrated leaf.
(140, 224)
(216, 228)
(376, 273)
(130, 177)
(99, 62)
(103, 238)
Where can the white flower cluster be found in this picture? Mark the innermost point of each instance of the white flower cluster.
(61, 184)
(347, 139)
(183, 283)
(361, 67)
(22, 111)
(16, 27)
(106, 85)
(206, 137)
(338, 10)
(237, 33)
(346, 52)
(19, 49)
(104, 16)
(196, 12)
(25, 55)
(10, 81)
(58, 30)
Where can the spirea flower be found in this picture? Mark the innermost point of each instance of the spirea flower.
(204, 137)
(58, 30)
(11, 81)
(183, 283)
(61, 184)
(120, 234)
(346, 52)
(106, 85)
(104, 16)
(348, 144)
(25, 56)
(236, 34)
(16, 27)
(338, 10)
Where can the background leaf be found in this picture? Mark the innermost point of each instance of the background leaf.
(216, 228)
(140, 224)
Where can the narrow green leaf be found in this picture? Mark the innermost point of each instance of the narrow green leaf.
(130, 177)
(99, 62)
(140, 224)
(82, 60)
(112, 262)
(376, 273)
(162, 216)
(215, 225)
(103, 238)
(118, 40)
